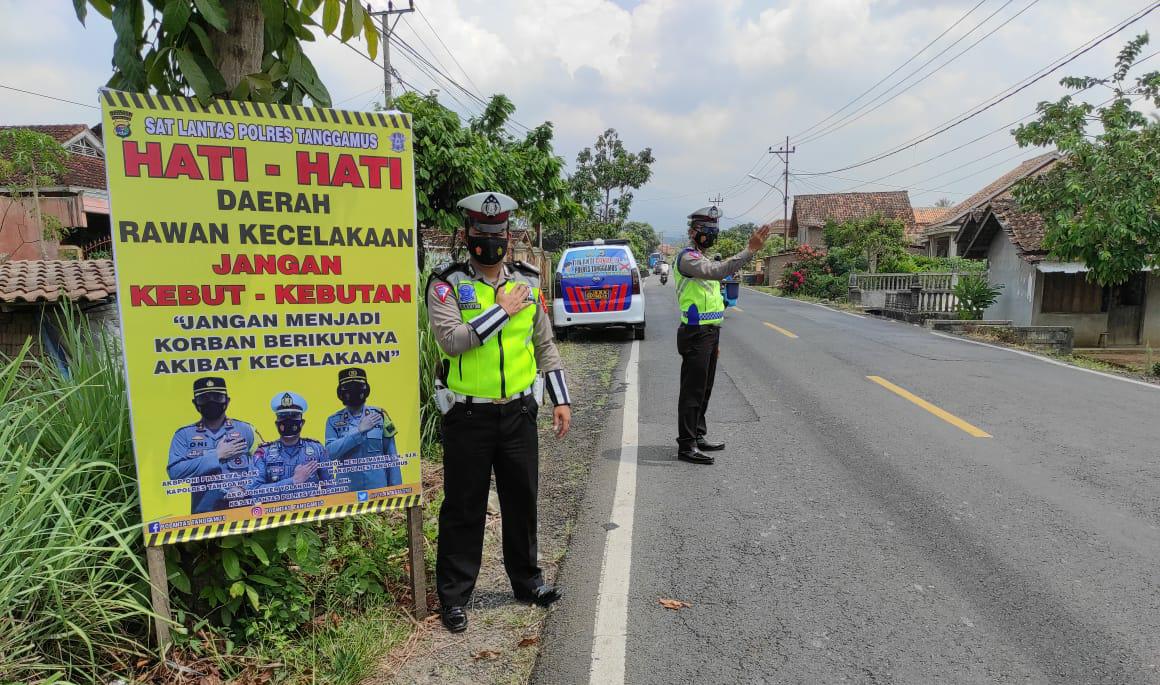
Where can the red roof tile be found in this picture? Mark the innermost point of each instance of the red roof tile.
(36, 280)
(926, 216)
(1000, 186)
(81, 171)
(60, 132)
(816, 210)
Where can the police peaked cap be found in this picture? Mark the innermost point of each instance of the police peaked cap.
(705, 216)
(488, 211)
(209, 384)
(287, 402)
(352, 375)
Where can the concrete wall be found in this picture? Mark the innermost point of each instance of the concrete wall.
(21, 237)
(1087, 327)
(17, 325)
(1017, 300)
(775, 266)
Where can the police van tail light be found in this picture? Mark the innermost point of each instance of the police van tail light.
(635, 281)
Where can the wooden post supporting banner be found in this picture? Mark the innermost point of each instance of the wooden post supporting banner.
(159, 591)
(417, 543)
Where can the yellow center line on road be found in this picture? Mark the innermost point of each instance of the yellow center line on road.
(781, 330)
(941, 413)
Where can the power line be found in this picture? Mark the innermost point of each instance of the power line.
(886, 77)
(1054, 65)
(980, 110)
(49, 97)
(449, 53)
(866, 109)
(1003, 128)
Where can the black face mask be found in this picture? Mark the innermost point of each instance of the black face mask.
(289, 428)
(211, 411)
(487, 250)
(354, 397)
(706, 240)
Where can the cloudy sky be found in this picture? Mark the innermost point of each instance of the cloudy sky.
(709, 86)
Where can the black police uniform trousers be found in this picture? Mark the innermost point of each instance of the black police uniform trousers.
(476, 439)
(698, 347)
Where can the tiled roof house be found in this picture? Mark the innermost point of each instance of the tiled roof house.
(811, 212)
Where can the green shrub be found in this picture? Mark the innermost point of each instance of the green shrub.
(975, 295)
(73, 595)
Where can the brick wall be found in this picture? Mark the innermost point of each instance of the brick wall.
(16, 327)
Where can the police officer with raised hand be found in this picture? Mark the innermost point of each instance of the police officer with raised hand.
(698, 283)
(359, 431)
(494, 340)
(283, 466)
(216, 446)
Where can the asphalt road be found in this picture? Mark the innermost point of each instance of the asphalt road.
(848, 534)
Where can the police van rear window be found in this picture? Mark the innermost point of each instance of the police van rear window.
(596, 260)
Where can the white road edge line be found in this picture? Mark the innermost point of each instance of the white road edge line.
(611, 631)
(1046, 360)
(815, 304)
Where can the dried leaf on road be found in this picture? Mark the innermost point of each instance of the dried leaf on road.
(674, 604)
(529, 641)
(485, 654)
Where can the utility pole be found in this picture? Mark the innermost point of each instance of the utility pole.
(716, 201)
(784, 153)
(387, 28)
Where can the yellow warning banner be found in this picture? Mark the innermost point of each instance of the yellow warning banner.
(267, 281)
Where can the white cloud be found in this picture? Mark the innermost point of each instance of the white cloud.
(709, 85)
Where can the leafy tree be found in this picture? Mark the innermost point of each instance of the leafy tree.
(943, 202)
(1101, 202)
(453, 159)
(647, 235)
(875, 236)
(30, 161)
(236, 49)
(606, 174)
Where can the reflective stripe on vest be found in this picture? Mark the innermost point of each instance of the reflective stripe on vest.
(505, 364)
(700, 300)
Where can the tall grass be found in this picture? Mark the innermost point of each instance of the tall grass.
(429, 360)
(73, 595)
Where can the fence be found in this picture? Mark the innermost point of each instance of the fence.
(911, 297)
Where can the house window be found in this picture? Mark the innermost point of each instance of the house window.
(83, 147)
(1072, 294)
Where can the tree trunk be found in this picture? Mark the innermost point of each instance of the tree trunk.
(36, 211)
(240, 48)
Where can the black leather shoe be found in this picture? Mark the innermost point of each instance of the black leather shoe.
(694, 456)
(541, 596)
(454, 619)
(706, 446)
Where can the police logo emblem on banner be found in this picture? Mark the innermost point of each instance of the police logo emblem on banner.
(398, 142)
(466, 293)
(121, 119)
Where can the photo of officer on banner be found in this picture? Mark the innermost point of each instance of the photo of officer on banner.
(212, 455)
(361, 438)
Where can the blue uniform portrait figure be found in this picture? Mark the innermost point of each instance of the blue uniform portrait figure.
(214, 451)
(291, 466)
(361, 438)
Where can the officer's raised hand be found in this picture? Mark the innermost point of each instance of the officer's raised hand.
(303, 472)
(757, 238)
(231, 447)
(370, 421)
(515, 300)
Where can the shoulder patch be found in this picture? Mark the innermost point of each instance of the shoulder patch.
(442, 290)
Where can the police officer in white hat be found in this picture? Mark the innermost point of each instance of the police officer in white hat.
(698, 282)
(291, 466)
(495, 336)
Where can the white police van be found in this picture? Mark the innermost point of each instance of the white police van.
(596, 285)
